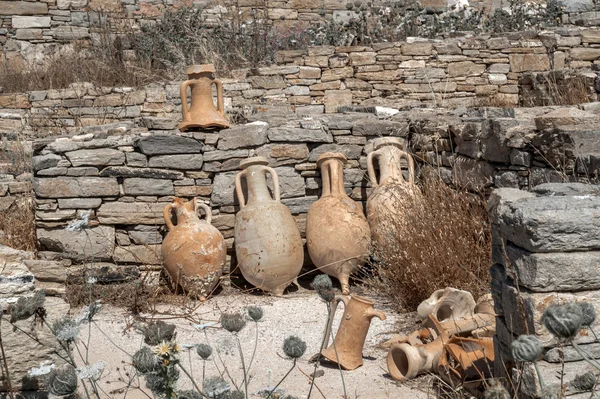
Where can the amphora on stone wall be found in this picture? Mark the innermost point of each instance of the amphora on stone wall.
(202, 112)
(337, 232)
(193, 251)
(392, 195)
(268, 245)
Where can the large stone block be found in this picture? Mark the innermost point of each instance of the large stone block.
(96, 157)
(291, 183)
(12, 7)
(141, 186)
(15, 278)
(560, 271)
(138, 254)
(131, 213)
(547, 223)
(283, 154)
(126, 171)
(250, 135)
(417, 48)
(495, 136)
(79, 203)
(69, 187)
(350, 151)
(168, 144)
(379, 127)
(145, 235)
(181, 162)
(337, 98)
(299, 135)
(584, 53)
(529, 62)
(224, 189)
(97, 242)
(45, 161)
(565, 117)
(30, 22)
(465, 68)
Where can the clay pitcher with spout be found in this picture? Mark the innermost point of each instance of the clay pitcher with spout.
(194, 251)
(337, 232)
(268, 245)
(349, 341)
(202, 113)
(391, 193)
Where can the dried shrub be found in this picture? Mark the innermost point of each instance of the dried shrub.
(17, 225)
(442, 240)
(135, 296)
(555, 88)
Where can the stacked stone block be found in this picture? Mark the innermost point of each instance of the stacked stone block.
(546, 251)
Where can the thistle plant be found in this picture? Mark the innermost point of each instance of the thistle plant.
(294, 348)
(528, 348)
(496, 391)
(234, 323)
(255, 313)
(204, 351)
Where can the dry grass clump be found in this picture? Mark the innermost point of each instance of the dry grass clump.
(135, 296)
(442, 240)
(17, 225)
(555, 88)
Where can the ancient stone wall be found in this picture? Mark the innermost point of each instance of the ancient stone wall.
(125, 175)
(464, 71)
(545, 252)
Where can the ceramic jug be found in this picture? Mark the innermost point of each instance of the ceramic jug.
(405, 361)
(202, 112)
(337, 232)
(391, 190)
(349, 341)
(193, 251)
(268, 245)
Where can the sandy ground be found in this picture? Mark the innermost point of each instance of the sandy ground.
(301, 313)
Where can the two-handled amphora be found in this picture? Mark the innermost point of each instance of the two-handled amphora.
(268, 245)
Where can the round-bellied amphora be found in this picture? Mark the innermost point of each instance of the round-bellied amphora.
(202, 112)
(337, 232)
(392, 194)
(194, 251)
(268, 245)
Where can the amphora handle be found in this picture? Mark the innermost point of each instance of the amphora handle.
(333, 178)
(244, 173)
(207, 211)
(184, 100)
(220, 99)
(167, 216)
(374, 156)
(332, 309)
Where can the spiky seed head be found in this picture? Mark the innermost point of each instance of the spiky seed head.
(563, 321)
(552, 392)
(294, 347)
(322, 281)
(65, 329)
(588, 313)
(62, 380)
(496, 391)
(145, 360)
(216, 387)
(233, 322)
(255, 312)
(25, 307)
(190, 394)
(527, 348)
(156, 332)
(204, 351)
(155, 383)
(585, 381)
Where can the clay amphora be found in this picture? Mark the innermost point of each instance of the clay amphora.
(337, 232)
(352, 332)
(267, 241)
(448, 303)
(193, 251)
(202, 112)
(406, 361)
(391, 194)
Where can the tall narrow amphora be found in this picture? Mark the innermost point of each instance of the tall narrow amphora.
(268, 245)
(337, 232)
(349, 341)
(392, 194)
(193, 251)
(202, 113)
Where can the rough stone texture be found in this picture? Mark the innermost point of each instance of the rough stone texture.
(140, 186)
(163, 144)
(249, 135)
(125, 171)
(299, 135)
(76, 245)
(79, 203)
(140, 254)
(16, 278)
(99, 157)
(131, 213)
(69, 187)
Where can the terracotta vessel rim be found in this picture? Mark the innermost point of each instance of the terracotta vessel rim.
(383, 141)
(331, 155)
(245, 163)
(362, 299)
(200, 68)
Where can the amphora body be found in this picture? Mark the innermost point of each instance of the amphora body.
(202, 112)
(337, 232)
(268, 245)
(391, 192)
(193, 251)
(350, 338)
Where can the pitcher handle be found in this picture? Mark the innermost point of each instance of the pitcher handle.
(332, 309)
(167, 216)
(206, 210)
(371, 168)
(220, 99)
(238, 188)
(411, 166)
(370, 313)
(275, 178)
(184, 102)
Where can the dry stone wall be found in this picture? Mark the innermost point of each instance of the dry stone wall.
(546, 251)
(126, 175)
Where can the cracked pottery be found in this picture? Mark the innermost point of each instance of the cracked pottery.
(391, 193)
(202, 112)
(337, 232)
(268, 245)
(193, 251)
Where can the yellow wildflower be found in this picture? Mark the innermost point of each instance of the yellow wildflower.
(162, 349)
